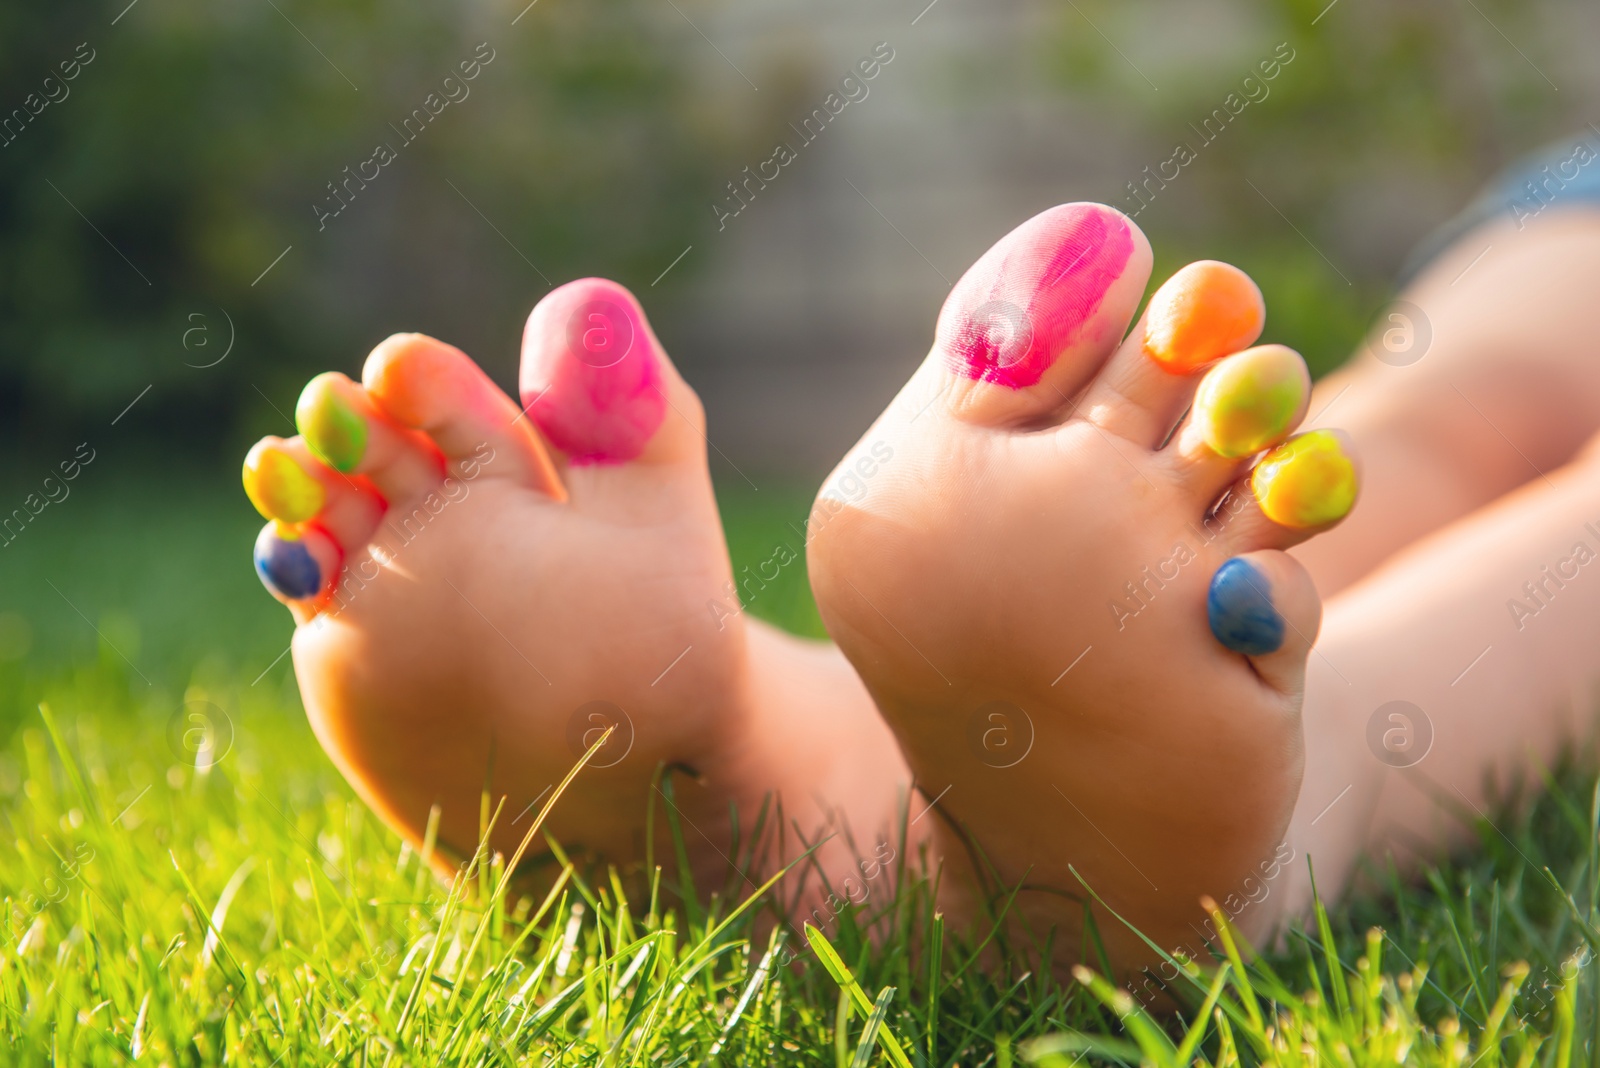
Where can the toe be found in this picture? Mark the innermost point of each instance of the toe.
(598, 383)
(289, 485)
(344, 429)
(280, 485)
(1298, 490)
(319, 518)
(1264, 606)
(426, 385)
(1204, 312)
(1248, 402)
(297, 565)
(1029, 324)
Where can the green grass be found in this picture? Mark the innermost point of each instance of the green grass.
(251, 911)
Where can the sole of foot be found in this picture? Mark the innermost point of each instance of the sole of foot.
(482, 589)
(1061, 576)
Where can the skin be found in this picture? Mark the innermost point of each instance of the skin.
(1075, 470)
(487, 602)
(1107, 548)
(1419, 582)
(1498, 420)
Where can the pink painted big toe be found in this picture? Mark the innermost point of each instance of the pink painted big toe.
(592, 372)
(1028, 298)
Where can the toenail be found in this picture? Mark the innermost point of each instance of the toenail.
(279, 487)
(600, 333)
(592, 380)
(1202, 313)
(1241, 612)
(1025, 301)
(1003, 333)
(1246, 404)
(1308, 481)
(334, 431)
(285, 564)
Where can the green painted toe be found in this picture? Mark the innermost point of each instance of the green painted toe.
(334, 431)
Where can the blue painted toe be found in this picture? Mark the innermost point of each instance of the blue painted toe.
(286, 566)
(1241, 612)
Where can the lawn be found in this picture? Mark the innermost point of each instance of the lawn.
(192, 883)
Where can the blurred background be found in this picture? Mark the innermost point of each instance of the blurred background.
(204, 203)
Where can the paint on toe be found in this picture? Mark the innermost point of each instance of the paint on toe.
(1241, 612)
(285, 564)
(334, 431)
(1202, 313)
(592, 381)
(1014, 313)
(1308, 481)
(279, 487)
(1249, 402)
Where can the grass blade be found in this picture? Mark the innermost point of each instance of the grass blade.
(869, 1034)
(836, 967)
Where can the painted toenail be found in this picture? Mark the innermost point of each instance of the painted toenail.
(285, 565)
(1308, 481)
(600, 333)
(1240, 609)
(1026, 300)
(1004, 332)
(279, 487)
(334, 431)
(594, 384)
(1202, 313)
(1247, 403)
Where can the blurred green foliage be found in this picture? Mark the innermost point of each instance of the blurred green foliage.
(150, 580)
(139, 209)
(143, 205)
(1390, 116)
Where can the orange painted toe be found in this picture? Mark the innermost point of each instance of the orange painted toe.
(1203, 313)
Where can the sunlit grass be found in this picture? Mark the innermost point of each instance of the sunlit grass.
(178, 898)
(250, 911)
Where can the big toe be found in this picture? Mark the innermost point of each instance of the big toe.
(1030, 323)
(598, 383)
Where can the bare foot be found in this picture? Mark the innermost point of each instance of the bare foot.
(1026, 589)
(478, 599)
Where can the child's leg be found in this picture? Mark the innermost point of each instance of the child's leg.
(1485, 634)
(1490, 374)
(1483, 377)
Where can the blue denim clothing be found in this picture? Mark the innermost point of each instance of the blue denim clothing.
(1562, 174)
